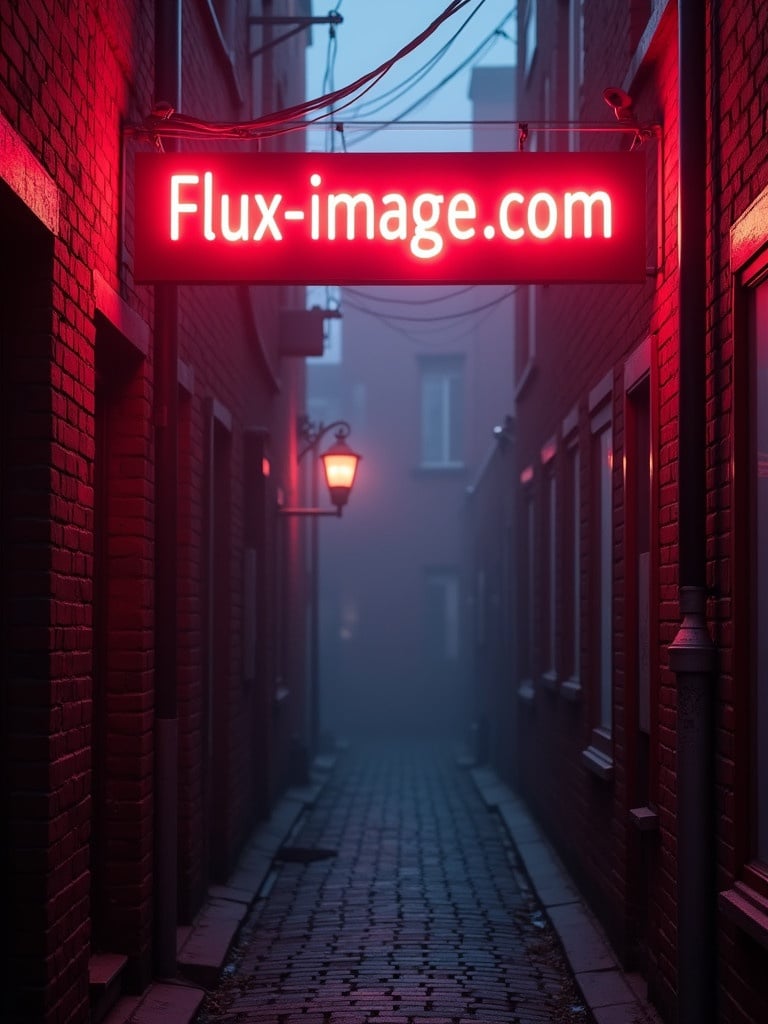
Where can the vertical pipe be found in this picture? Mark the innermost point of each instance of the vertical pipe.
(167, 90)
(691, 654)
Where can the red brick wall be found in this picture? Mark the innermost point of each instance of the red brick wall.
(583, 334)
(739, 154)
(78, 715)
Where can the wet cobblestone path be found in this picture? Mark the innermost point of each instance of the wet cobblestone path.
(400, 901)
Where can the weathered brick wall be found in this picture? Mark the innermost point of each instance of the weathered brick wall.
(79, 728)
(583, 334)
(737, 99)
(65, 73)
(586, 334)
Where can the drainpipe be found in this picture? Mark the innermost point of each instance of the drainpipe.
(166, 407)
(692, 653)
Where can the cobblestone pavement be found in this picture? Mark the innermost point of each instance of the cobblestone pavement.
(398, 901)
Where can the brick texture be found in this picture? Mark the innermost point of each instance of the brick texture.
(78, 503)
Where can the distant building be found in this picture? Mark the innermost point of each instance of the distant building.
(419, 375)
(638, 675)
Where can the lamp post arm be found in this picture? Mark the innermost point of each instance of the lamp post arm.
(312, 435)
(310, 512)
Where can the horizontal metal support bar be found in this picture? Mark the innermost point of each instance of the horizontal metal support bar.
(286, 19)
(310, 512)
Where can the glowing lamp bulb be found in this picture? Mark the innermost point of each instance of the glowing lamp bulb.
(340, 467)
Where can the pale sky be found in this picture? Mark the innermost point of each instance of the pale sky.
(372, 32)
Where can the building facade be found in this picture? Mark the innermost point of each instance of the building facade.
(153, 600)
(639, 667)
(419, 377)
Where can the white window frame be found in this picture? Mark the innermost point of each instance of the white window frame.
(548, 452)
(445, 423)
(598, 756)
(572, 538)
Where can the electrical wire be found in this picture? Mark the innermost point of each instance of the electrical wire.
(393, 94)
(390, 300)
(446, 316)
(483, 48)
(437, 336)
(169, 123)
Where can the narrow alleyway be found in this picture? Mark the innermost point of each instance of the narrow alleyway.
(399, 898)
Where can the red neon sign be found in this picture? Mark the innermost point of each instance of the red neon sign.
(390, 218)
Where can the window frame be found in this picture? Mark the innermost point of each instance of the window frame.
(752, 275)
(641, 375)
(571, 558)
(598, 756)
(549, 521)
(445, 581)
(746, 902)
(526, 657)
(444, 368)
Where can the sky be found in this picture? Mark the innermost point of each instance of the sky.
(373, 32)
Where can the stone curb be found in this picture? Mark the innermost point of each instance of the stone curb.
(613, 995)
(204, 945)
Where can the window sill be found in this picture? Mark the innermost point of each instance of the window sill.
(526, 692)
(549, 681)
(645, 819)
(748, 910)
(282, 693)
(598, 763)
(440, 469)
(571, 690)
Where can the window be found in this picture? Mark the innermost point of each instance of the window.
(639, 617)
(442, 614)
(598, 757)
(747, 902)
(572, 571)
(525, 336)
(604, 513)
(549, 549)
(526, 582)
(442, 412)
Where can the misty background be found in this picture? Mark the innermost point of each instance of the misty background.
(422, 375)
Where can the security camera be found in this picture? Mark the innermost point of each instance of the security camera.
(619, 101)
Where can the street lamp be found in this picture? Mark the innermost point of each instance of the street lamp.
(339, 464)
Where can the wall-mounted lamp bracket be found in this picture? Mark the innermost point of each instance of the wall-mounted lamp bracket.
(333, 18)
(287, 511)
(339, 464)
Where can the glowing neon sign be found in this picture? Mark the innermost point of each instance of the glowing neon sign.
(376, 218)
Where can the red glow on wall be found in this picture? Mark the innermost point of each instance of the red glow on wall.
(390, 218)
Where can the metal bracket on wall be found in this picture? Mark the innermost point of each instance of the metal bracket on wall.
(333, 18)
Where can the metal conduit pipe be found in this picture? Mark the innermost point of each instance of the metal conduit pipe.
(166, 407)
(692, 654)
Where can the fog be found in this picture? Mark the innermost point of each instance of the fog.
(422, 375)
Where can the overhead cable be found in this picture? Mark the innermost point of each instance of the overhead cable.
(171, 124)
